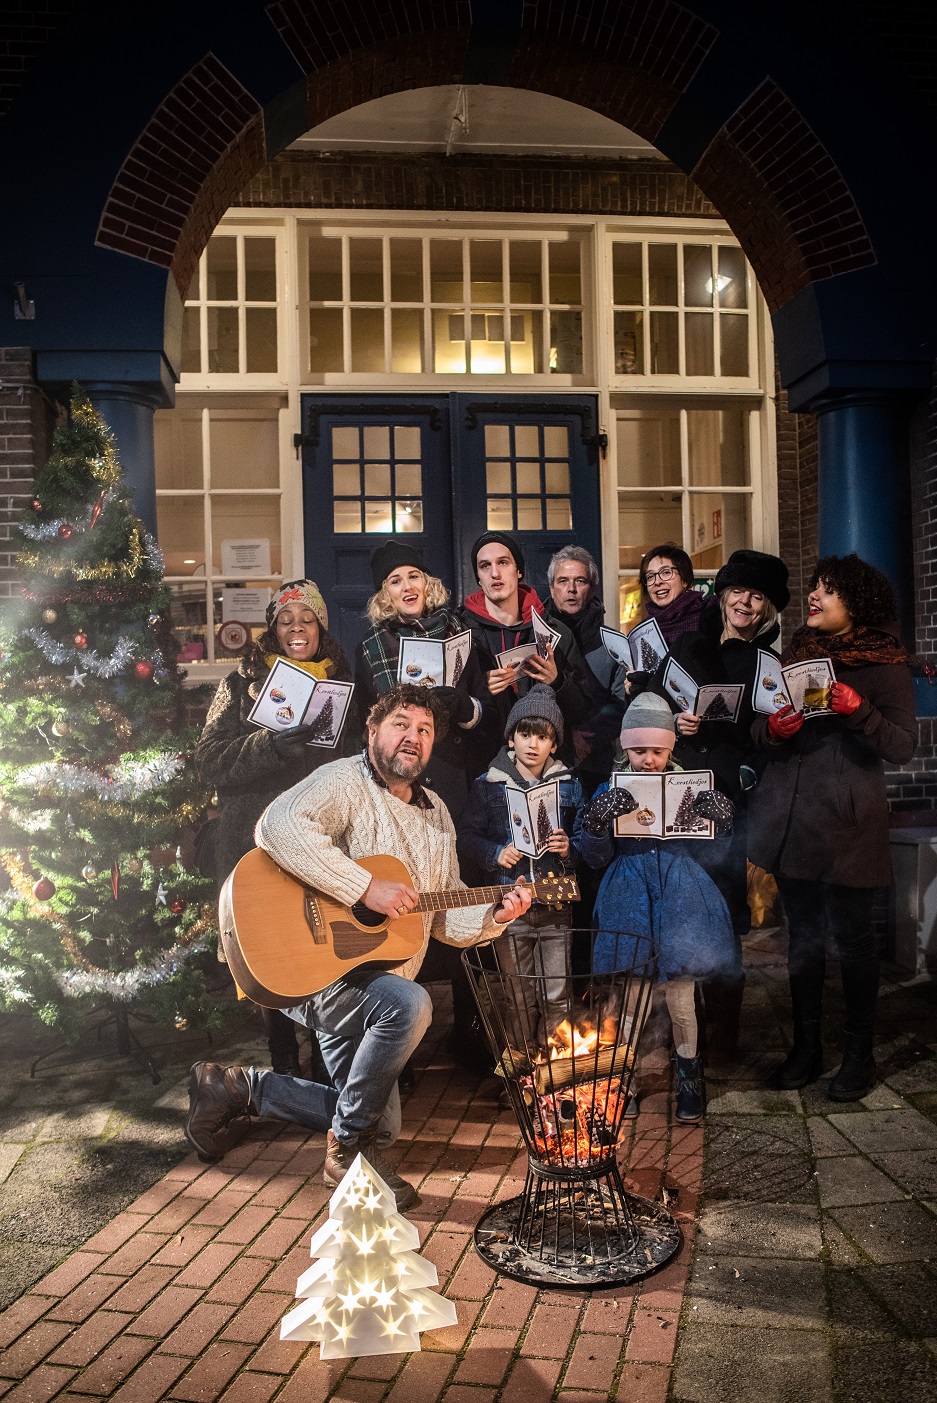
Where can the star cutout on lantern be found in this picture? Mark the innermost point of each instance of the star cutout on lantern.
(349, 1300)
(389, 1233)
(392, 1327)
(364, 1243)
(372, 1200)
(342, 1331)
(384, 1298)
(417, 1309)
(77, 679)
(161, 894)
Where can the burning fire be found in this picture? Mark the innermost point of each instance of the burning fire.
(569, 1041)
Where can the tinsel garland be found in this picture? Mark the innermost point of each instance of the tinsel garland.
(139, 547)
(126, 984)
(61, 653)
(128, 779)
(36, 821)
(47, 530)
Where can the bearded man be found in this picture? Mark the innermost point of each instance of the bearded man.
(369, 1021)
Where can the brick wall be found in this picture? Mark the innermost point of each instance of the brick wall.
(304, 179)
(797, 503)
(26, 422)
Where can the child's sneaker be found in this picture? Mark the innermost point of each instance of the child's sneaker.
(688, 1091)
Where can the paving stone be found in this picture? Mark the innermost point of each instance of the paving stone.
(756, 1292)
(9, 1154)
(884, 1369)
(853, 1179)
(761, 1230)
(915, 1171)
(837, 1247)
(756, 1101)
(743, 1161)
(891, 1232)
(718, 1364)
(854, 1309)
(85, 1123)
(826, 1140)
(907, 1290)
(887, 1132)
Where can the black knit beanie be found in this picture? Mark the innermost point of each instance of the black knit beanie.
(390, 556)
(489, 538)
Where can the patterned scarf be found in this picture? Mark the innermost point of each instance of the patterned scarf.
(860, 645)
(381, 647)
(680, 616)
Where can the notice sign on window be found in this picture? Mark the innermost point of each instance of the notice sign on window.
(244, 606)
(249, 556)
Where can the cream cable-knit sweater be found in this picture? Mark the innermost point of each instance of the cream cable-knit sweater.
(339, 809)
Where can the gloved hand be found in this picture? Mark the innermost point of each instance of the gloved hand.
(845, 699)
(636, 682)
(458, 704)
(712, 804)
(784, 724)
(600, 811)
(291, 745)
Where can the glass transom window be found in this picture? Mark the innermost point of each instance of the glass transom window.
(229, 323)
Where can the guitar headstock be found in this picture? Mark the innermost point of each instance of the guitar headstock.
(555, 891)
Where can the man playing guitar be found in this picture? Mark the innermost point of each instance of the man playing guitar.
(369, 1021)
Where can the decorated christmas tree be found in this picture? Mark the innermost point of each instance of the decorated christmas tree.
(650, 658)
(369, 1291)
(97, 785)
(323, 723)
(717, 709)
(544, 828)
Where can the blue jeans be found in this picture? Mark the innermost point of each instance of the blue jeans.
(368, 1024)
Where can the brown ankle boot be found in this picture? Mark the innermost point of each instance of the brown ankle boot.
(219, 1109)
(340, 1155)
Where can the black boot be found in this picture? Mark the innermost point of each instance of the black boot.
(723, 1000)
(858, 1074)
(804, 1063)
(688, 1090)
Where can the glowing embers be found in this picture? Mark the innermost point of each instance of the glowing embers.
(575, 1095)
(369, 1291)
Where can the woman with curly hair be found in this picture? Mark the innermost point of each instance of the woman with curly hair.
(250, 766)
(819, 817)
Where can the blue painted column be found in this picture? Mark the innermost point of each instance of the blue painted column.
(128, 411)
(864, 483)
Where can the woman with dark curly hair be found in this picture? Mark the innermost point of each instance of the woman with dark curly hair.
(819, 817)
(250, 766)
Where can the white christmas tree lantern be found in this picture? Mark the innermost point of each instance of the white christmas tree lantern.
(368, 1292)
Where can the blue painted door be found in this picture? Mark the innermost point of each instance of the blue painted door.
(438, 470)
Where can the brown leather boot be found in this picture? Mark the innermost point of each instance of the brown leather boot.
(219, 1109)
(339, 1157)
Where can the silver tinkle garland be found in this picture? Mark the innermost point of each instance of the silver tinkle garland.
(60, 653)
(124, 985)
(128, 779)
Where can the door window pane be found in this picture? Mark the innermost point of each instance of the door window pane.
(699, 344)
(346, 517)
(528, 477)
(223, 340)
(719, 524)
(556, 477)
(408, 516)
(733, 348)
(565, 277)
(629, 343)
(665, 356)
(526, 271)
(566, 343)
(559, 514)
(376, 441)
(500, 514)
(731, 283)
(406, 270)
(529, 514)
(498, 477)
(718, 447)
(406, 441)
(379, 517)
(260, 270)
(497, 440)
(377, 479)
(527, 441)
(662, 274)
(261, 332)
(367, 339)
(697, 275)
(643, 518)
(245, 449)
(346, 479)
(222, 269)
(345, 440)
(626, 274)
(409, 479)
(325, 269)
(556, 440)
(649, 449)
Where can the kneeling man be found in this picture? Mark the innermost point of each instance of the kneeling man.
(370, 1021)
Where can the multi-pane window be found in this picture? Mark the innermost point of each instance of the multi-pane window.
(684, 475)
(218, 518)
(230, 320)
(411, 305)
(681, 309)
(527, 477)
(377, 478)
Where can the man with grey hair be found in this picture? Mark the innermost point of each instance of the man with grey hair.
(573, 577)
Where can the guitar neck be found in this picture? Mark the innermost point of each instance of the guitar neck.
(465, 896)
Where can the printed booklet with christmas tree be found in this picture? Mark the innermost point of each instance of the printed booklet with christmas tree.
(716, 701)
(665, 804)
(433, 662)
(807, 687)
(641, 650)
(534, 815)
(544, 637)
(293, 697)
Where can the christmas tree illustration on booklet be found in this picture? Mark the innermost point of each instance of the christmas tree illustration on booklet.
(650, 658)
(717, 709)
(686, 819)
(458, 668)
(95, 774)
(543, 825)
(323, 724)
(368, 1293)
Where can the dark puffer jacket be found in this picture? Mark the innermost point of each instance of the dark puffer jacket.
(820, 813)
(486, 824)
(240, 760)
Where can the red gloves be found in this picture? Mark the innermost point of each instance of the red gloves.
(784, 724)
(844, 700)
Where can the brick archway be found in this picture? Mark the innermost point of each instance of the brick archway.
(765, 168)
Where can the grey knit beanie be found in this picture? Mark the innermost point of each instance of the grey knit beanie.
(648, 722)
(539, 702)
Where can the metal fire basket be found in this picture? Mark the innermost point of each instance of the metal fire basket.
(565, 1047)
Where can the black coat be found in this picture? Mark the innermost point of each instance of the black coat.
(820, 812)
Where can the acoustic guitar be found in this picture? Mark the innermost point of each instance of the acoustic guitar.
(285, 941)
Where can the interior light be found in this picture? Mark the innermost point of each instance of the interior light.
(190, 562)
(721, 283)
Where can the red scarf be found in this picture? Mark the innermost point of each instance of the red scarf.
(860, 645)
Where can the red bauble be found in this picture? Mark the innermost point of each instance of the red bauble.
(143, 669)
(65, 530)
(43, 889)
(177, 907)
(80, 640)
(36, 504)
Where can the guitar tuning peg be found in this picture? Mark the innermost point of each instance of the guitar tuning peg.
(551, 874)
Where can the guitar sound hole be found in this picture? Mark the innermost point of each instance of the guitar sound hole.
(365, 916)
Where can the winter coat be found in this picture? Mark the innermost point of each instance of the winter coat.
(240, 760)
(463, 753)
(820, 812)
(485, 827)
(605, 712)
(656, 890)
(571, 686)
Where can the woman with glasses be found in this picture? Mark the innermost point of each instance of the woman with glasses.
(666, 579)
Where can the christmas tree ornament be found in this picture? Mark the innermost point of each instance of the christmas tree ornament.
(161, 894)
(143, 669)
(80, 640)
(180, 1024)
(115, 878)
(65, 530)
(177, 906)
(89, 872)
(76, 679)
(49, 616)
(368, 1293)
(43, 889)
(36, 504)
(134, 865)
(60, 727)
(96, 512)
